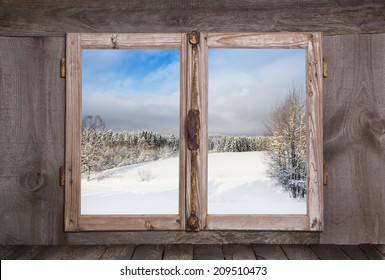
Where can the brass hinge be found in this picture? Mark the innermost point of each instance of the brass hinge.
(62, 175)
(62, 68)
(325, 175)
(325, 67)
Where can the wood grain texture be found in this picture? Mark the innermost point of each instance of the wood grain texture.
(354, 142)
(299, 252)
(25, 252)
(81, 252)
(329, 252)
(31, 140)
(55, 17)
(148, 252)
(372, 252)
(354, 252)
(238, 252)
(178, 252)
(208, 252)
(268, 252)
(181, 237)
(381, 248)
(5, 251)
(118, 252)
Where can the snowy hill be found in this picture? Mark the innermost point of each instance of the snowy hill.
(237, 185)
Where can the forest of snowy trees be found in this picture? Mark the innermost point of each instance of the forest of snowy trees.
(104, 149)
(285, 145)
(287, 149)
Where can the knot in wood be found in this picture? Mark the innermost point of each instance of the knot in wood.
(33, 180)
(377, 126)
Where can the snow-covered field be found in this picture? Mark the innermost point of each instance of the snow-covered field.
(237, 185)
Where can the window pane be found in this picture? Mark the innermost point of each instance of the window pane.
(130, 131)
(257, 131)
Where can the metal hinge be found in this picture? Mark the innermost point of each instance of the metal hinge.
(325, 175)
(62, 68)
(62, 175)
(325, 67)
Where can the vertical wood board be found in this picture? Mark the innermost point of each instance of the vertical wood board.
(31, 140)
(354, 142)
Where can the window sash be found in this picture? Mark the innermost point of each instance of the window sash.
(311, 42)
(76, 42)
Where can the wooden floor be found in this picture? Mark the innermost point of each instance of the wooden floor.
(196, 252)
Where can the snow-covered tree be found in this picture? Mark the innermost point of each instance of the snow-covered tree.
(287, 149)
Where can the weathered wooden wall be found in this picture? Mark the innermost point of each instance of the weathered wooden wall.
(32, 107)
(33, 95)
(354, 139)
(56, 17)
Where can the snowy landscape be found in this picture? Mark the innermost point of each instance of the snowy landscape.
(237, 184)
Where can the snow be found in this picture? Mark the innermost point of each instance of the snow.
(237, 184)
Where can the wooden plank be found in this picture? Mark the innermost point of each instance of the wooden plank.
(381, 248)
(371, 252)
(238, 252)
(5, 251)
(128, 222)
(299, 252)
(258, 222)
(118, 252)
(208, 252)
(257, 40)
(148, 252)
(80, 252)
(182, 237)
(25, 252)
(354, 113)
(178, 252)
(354, 252)
(55, 17)
(73, 133)
(329, 252)
(31, 140)
(131, 40)
(268, 252)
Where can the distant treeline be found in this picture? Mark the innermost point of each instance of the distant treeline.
(105, 149)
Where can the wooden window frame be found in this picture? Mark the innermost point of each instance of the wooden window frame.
(74, 220)
(311, 221)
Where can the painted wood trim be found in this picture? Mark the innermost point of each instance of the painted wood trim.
(257, 222)
(74, 221)
(129, 222)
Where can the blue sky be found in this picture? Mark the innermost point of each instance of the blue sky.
(133, 89)
(139, 89)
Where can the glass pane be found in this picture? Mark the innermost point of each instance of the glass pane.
(130, 132)
(257, 131)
